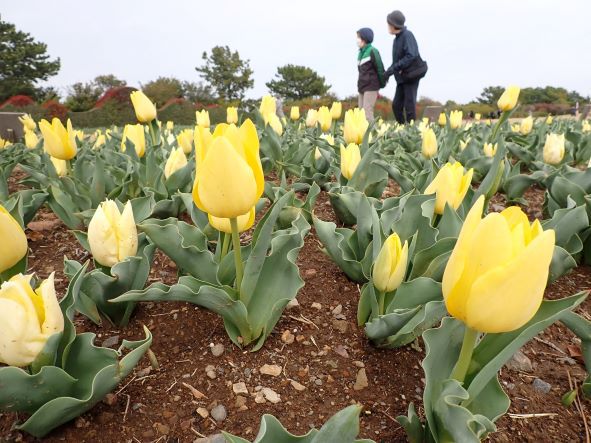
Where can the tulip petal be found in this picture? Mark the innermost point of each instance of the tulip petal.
(102, 238)
(127, 233)
(245, 222)
(506, 298)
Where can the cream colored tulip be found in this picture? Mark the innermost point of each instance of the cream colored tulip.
(268, 107)
(232, 115)
(136, 135)
(450, 186)
(311, 118)
(355, 126)
(508, 99)
(27, 319)
(324, 118)
(185, 140)
(526, 125)
(145, 111)
(112, 235)
(176, 160)
(28, 122)
(429, 144)
(455, 119)
(336, 110)
(350, 158)
(60, 166)
(31, 139)
(586, 126)
(275, 123)
(245, 222)
(490, 150)
(170, 125)
(202, 118)
(477, 116)
(13, 246)
(294, 113)
(554, 149)
(549, 120)
(442, 121)
(4, 143)
(329, 139)
(390, 265)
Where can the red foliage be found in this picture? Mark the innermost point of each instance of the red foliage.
(174, 101)
(55, 109)
(119, 95)
(19, 101)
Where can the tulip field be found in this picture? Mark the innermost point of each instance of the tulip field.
(315, 275)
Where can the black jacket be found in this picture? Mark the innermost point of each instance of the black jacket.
(371, 70)
(404, 51)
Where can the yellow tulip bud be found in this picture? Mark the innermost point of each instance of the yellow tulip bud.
(245, 222)
(442, 121)
(145, 111)
(554, 149)
(176, 160)
(202, 118)
(185, 140)
(170, 125)
(490, 150)
(100, 141)
(229, 179)
(135, 134)
(268, 107)
(14, 241)
(60, 166)
(390, 266)
(329, 138)
(336, 110)
(477, 116)
(275, 123)
(429, 145)
(232, 115)
(508, 99)
(112, 234)
(58, 141)
(27, 319)
(4, 143)
(455, 119)
(31, 139)
(317, 154)
(294, 113)
(28, 122)
(586, 126)
(311, 118)
(549, 120)
(526, 125)
(324, 118)
(450, 186)
(495, 278)
(355, 126)
(516, 127)
(350, 158)
(463, 144)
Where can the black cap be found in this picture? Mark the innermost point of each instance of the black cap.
(396, 19)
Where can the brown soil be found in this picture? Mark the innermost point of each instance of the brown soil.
(328, 352)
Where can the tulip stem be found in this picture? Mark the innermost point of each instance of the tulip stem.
(237, 252)
(225, 245)
(381, 301)
(503, 119)
(463, 364)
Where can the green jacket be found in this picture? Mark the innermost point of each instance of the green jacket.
(371, 70)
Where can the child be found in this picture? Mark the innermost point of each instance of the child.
(371, 72)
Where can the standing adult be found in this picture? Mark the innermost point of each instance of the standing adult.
(407, 68)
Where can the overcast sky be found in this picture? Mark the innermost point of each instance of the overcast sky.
(468, 44)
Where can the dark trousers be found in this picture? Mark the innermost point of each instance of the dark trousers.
(405, 99)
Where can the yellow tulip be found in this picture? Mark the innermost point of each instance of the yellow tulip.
(135, 134)
(229, 180)
(508, 99)
(526, 125)
(31, 139)
(355, 126)
(202, 118)
(60, 166)
(275, 123)
(100, 141)
(516, 127)
(350, 158)
(268, 107)
(549, 120)
(58, 141)
(390, 266)
(112, 234)
(317, 154)
(28, 122)
(27, 319)
(336, 110)
(232, 115)
(202, 138)
(4, 143)
(170, 125)
(176, 160)
(490, 150)
(586, 126)
(495, 278)
(442, 121)
(324, 118)
(554, 149)
(245, 222)
(455, 119)
(185, 140)
(329, 138)
(294, 113)
(429, 145)
(145, 111)
(464, 144)
(477, 116)
(450, 186)
(14, 241)
(311, 118)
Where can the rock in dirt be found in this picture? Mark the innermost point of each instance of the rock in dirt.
(240, 388)
(340, 325)
(162, 428)
(219, 413)
(272, 370)
(287, 337)
(216, 438)
(297, 386)
(340, 350)
(338, 310)
(316, 305)
(111, 341)
(110, 399)
(293, 304)
(520, 362)
(541, 386)
(361, 380)
(210, 371)
(240, 402)
(203, 413)
(217, 349)
(271, 395)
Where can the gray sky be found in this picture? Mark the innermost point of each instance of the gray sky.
(469, 44)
